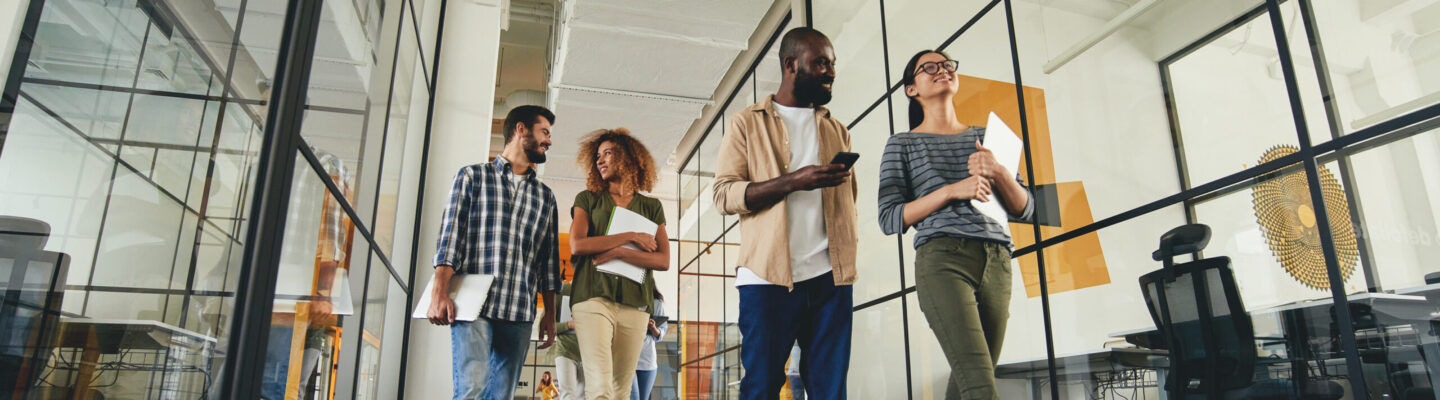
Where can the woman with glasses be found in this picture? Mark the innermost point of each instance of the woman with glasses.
(928, 178)
(612, 312)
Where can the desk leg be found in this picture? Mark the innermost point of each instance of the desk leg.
(1037, 389)
(1160, 377)
(88, 363)
(1297, 347)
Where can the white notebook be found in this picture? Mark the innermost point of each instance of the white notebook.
(467, 290)
(564, 307)
(626, 221)
(1006, 147)
(344, 302)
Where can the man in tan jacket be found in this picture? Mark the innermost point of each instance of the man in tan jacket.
(797, 215)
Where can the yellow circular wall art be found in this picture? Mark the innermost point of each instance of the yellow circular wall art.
(1287, 219)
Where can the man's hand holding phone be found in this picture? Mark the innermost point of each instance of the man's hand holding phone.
(823, 176)
(845, 158)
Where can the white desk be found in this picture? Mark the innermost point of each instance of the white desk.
(1123, 334)
(1091, 368)
(95, 337)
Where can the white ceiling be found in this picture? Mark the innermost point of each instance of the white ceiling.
(650, 66)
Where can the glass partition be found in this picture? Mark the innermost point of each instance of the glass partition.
(129, 148)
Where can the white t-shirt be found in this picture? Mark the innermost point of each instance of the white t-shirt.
(515, 180)
(809, 246)
(647, 352)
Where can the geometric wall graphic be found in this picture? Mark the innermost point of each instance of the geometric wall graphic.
(1074, 264)
(1286, 215)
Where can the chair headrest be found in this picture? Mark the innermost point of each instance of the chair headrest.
(1185, 239)
(1432, 278)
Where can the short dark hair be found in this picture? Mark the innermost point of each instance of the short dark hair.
(792, 42)
(529, 115)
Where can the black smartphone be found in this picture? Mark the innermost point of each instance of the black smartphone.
(846, 158)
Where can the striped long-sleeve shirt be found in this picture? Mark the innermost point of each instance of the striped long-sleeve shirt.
(934, 161)
(497, 227)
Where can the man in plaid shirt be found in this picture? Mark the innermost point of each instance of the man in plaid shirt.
(501, 221)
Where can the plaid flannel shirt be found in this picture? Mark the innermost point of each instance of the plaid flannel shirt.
(336, 228)
(492, 226)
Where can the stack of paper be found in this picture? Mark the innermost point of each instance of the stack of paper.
(1006, 147)
(342, 301)
(626, 221)
(565, 310)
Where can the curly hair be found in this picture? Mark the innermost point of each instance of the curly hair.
(635, 164)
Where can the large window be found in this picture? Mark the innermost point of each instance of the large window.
(131, 151)
(1301, 132)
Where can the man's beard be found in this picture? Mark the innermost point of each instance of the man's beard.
(532, 151)
(808, 89)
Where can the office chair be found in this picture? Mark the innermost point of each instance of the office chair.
(1201, 320)
(1432, 278)
(31, 290)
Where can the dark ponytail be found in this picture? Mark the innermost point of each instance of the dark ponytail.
(917, 113)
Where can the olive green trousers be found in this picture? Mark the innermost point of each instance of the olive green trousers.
(964, 290)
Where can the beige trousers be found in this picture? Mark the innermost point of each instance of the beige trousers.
(610, 339)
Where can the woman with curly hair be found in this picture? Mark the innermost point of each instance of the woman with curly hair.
(611, 312)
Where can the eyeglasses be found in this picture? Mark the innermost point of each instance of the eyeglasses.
(933, 67)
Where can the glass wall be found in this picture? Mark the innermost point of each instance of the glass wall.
(130, 147)
(1300, 132)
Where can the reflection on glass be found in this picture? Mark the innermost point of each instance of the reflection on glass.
(1231, 88)
(113, 34)
(172, 65)
(1266, 230)
(128, 194)
(707, 370)
(317, 288)
(1380, 57)
(878, 252)
(128, 164)
(877, 353)
(1395, 222)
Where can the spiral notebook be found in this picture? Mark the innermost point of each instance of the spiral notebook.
(626, 221)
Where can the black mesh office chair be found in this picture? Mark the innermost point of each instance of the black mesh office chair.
(31, 289)
(1201, 320)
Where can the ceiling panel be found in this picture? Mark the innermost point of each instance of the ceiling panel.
(614, 60)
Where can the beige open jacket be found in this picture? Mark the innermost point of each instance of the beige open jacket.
(756, 148)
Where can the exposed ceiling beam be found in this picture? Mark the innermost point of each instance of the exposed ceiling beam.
(644, 33)
(657, 96)
(1105, 31)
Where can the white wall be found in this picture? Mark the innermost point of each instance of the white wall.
(12, 18)
(459, 136)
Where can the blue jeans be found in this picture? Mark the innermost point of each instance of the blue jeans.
(486, 356)
(797, 387)
(817, 314)
(644, 381)
(277, 362)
